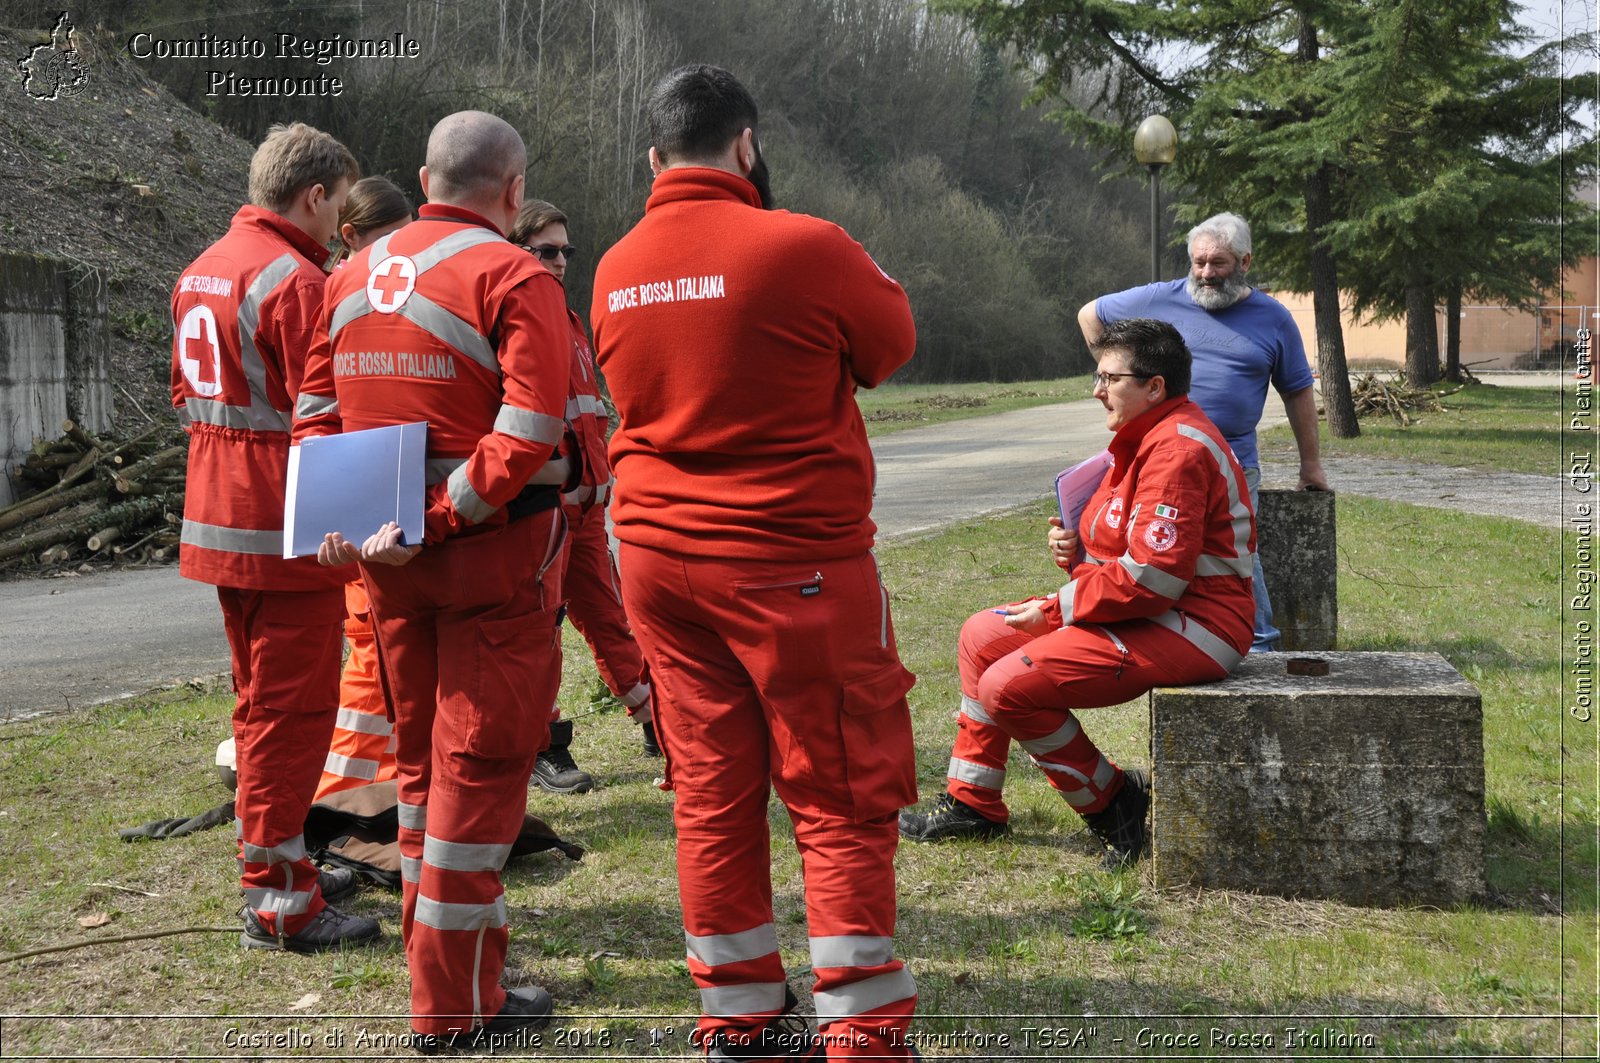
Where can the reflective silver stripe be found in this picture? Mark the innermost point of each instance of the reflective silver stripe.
(233, 540)
(1055, 740)
(851, 950)
(285, 852)
(1201, 639)
(352, 307)
(249, 316)
(1069, 590)
(751, 998)
(448, 247)
(367, 723)
(1153, 579)
(449, 329)
(582, 404)
(350, 767)
(1092, 786)
(442, 915)
(1211, 565)
(380, 248)
(869, 994)
(467, 501)
(578, 496)
(438, 470)
(637, 696)
(976, 774)
(528, 424)
(220, 414)
(463, 856)
(1238, 507)
(713, 950)
(277, 902)
(552, 473)
(973, 709)
(412, 817)
(410, 869)
(309, 405)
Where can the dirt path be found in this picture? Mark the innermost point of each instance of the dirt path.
(79, 640)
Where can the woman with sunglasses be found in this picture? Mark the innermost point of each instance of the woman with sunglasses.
(592, 589)
(1161, 597)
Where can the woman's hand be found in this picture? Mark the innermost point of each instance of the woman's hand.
(1063, 544)
(1026, 617)
(384, 547)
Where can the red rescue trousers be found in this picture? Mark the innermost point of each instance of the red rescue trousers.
(362, 750)
(785, 672)
(472, 657)
(1018, 686)
(285, 648)
(594, 605)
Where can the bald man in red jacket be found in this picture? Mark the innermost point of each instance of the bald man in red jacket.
(733, 338)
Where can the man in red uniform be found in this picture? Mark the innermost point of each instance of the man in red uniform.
(1161, 597)
(733, 338)
(590, 582)
(444, 321)
(242, 316)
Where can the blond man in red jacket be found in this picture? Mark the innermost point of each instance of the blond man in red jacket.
(733, 338)
(242, 315)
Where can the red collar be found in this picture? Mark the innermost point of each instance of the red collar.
(255, 217)
(682, 183)
(451, 212)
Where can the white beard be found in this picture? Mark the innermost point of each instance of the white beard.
(1219, 298)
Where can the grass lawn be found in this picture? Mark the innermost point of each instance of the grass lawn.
(893, 407)
(1002, 937)
(1482, 427)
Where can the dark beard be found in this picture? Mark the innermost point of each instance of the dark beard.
(759, 177)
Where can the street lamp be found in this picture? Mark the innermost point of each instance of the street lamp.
(1155, 144)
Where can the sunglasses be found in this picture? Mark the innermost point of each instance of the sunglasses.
(548, 253)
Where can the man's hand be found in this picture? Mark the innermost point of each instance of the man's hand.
(384, 547)
(1312, 478)
(1026, 617)
(1062, 544)
(335, 549)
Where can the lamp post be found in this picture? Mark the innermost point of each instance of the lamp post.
(1155, 144)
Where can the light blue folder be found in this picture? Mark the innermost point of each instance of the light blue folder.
(354, 483)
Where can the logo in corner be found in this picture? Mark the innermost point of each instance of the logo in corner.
(56, 70)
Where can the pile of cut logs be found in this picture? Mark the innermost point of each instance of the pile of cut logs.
(89, 497)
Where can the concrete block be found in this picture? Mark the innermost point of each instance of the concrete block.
(1364, 785)
(1297, 538)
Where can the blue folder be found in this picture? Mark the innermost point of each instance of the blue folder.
(354, 483)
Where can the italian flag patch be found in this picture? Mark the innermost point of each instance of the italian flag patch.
(1166, 511)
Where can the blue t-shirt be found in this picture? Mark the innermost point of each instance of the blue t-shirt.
(1236, 352)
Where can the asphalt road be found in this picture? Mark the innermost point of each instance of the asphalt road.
(79, 640)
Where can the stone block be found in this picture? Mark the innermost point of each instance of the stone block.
(1364, 785)
(1296, 535)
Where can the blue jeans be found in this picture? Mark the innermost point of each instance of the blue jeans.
(1266, 635)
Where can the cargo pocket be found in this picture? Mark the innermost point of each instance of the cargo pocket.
(511, 689)
(880, 761)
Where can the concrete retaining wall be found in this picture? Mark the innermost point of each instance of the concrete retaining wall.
(55, 354)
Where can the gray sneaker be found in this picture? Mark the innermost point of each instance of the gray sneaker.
(949, 818)
(329, 929)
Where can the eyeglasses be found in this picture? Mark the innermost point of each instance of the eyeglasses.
(1105, 380)
(548, 253)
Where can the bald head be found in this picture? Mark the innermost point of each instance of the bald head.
(472, 159)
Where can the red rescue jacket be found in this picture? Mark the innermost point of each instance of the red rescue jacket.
(1168, 536)
(444, 321)
(242, 320)
(588, 419)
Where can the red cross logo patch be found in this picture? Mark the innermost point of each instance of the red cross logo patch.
(198, 352)
(391, 283)
(1161, 535)
(1114, 513)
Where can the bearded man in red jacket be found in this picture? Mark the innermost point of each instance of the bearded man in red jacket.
(733, 338)
(243, 314)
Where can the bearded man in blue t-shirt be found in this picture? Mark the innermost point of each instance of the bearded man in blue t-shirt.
(1241, 339)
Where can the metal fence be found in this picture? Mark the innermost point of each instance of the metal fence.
(1499, 337)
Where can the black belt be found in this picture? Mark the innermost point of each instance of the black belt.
(533, 499)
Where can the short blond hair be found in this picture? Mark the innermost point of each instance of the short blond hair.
(295, 157)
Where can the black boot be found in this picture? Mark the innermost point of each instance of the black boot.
(652, 748)
(555, 769)
(1120, 825)
(949, 818)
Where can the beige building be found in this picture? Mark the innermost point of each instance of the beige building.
(1492, 337)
